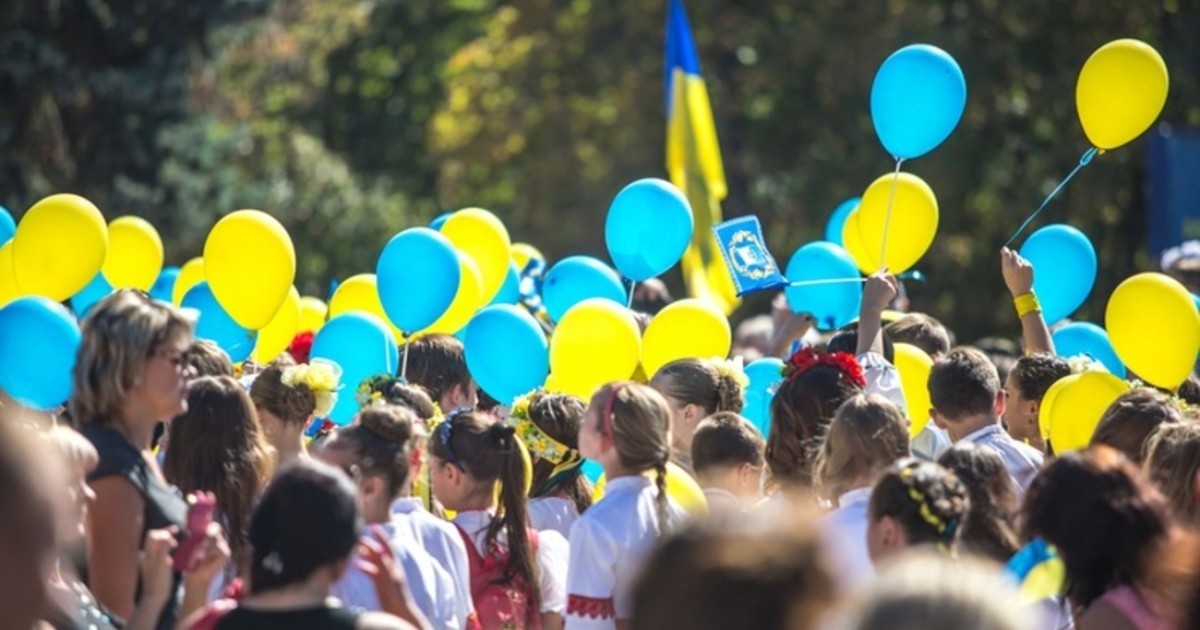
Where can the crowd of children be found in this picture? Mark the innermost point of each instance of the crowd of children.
(177, 491)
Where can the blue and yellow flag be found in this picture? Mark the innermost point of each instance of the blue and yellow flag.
(694, 162)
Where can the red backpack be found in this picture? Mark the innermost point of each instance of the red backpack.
(501, 603)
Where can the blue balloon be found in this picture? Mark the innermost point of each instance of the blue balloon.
(87, 297)
(418, 276)
(507, 352)
(7, 226)
(38, 342)
(837, 220)
(648, 228)
(510, 291)
(217, 326)
(765, 376)
(1087, 339)
(832, 305)
(164, 286)
(363, 346)
(578, 278)
(439, 221)
(917, 99)
(1064, 269)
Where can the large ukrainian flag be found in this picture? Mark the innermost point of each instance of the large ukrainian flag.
(694, 162)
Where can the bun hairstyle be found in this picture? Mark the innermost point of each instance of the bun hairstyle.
(701, 382)
(382, 442)
(555, 420)
(638, 421)
(413, 397)
(928, 501)
(293, 405)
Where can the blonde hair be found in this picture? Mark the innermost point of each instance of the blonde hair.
(868, 433)
(638, 420)
(119, 336)
(1172, 462)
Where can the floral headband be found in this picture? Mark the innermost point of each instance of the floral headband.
(321, 377)
(537, 442)
(370, 390)
(805, 359)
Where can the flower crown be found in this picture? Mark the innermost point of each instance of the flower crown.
(732, 369)
(536, 441)
(370, 390)
(432, 423)
(805, 359)
(321, 377)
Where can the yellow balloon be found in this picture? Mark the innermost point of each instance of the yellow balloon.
(910, 230)
(361, 294)
(135, 254)
(1121, 91)
(191, 274)
(680, 487)
(250, 263)
(60, 245)
(312, 314)
(8, 282)
(467, 301)
(687, 329)
(914, 367)
(597, 342)
(276, 336)
(1073, 406)
(522, 253)
(481, 236)
(1155, 329)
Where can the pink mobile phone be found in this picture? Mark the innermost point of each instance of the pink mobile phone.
(200, 514)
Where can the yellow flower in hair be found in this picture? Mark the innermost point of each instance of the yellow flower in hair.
(732, 369)
(321, 378)
(520, 407)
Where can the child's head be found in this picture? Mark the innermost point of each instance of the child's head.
(964, 385)
(922, 331)
(378, 451)
(695, 389)
(727, 453)
(1173, 463)
(915, 503)
(1132, 418)
(208, 359)
(846, 340)
(1025, 387)
(868, 434)
(279, 404)
(817, 383)
(988, 529)
(437, 363)
(549, 424)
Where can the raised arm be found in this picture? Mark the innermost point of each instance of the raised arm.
(1018, 277)
(879, 291)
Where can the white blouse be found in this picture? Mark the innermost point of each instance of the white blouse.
(843, 535)
(553, 513)
(1022, 460)
(552, 555)
(609, 544)
(440, 539)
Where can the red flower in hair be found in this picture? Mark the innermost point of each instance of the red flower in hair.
(807, 358)
(301, 346)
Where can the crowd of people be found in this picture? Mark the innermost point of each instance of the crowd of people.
(177, 490)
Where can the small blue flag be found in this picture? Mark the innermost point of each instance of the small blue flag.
(745, 252)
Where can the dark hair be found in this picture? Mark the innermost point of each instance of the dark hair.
(699, 382)
(292, 405)
(988, 529)
(1035, 373)
(559, 416)
(1189, 390)
(307, 519)
(963, 383)
(487, 451)
(208, 359)
(1124, 517)
(928, 501)
(846, 340)
(382, 442)
(1132, 418)
(800, 413)
(922, 331)
(413, 397)
(726, 439)
(436, 363)
(1172, 462)
(218, 446)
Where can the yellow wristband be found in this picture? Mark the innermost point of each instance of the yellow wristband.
(1027, 304)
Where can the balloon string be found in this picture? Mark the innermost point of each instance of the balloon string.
(404, 362)
(632, 290)
(1083, 161)
(813, 283)
(887, 218)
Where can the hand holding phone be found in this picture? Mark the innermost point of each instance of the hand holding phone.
(200, 514)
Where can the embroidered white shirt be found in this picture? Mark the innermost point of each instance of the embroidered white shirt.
(441, 540)
(553, 513)
(552, 555)
(844, 537)
(1022, 460)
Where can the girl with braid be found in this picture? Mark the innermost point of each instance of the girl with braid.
(915, 503)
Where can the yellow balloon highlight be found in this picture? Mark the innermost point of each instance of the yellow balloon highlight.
(680, 487)
(276, 336)
(481, 236)
(522, 253)
(60, 245)
(190, 274)
(361, 294)
(8, 282)
(687, 329)
(597, 342)
(135, 254)
(1072, 408)
(467, 301)
(250, 263)
(313, 313)
(1121, 91)
(910, 231)
(1155, 329)
(914, 367)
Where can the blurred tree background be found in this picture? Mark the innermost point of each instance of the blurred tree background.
(352, 119)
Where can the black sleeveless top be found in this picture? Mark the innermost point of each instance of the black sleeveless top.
(310, 619)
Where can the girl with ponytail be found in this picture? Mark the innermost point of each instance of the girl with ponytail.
(627, 430)
(518, 575)
(694, 390)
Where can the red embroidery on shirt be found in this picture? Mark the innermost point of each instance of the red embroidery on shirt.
(594, 607)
